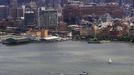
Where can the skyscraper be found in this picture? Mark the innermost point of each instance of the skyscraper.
(120, 2)
(13, 3)
(33, 4)
(48, 18)
(13, 9)
(3, 11)
(133, 4)
(52, 3)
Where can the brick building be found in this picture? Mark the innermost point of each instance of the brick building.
(73, 11)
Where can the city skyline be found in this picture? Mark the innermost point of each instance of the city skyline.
(25, 1)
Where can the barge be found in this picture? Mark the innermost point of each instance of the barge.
(16, 41)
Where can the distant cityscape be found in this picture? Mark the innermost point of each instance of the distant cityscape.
(82, 18)
(66, 37)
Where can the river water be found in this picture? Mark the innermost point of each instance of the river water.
(68, 57)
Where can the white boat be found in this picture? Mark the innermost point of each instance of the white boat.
(110, 61)
(61, 74)
(105, 41)
(52, 38)
(83, 73)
